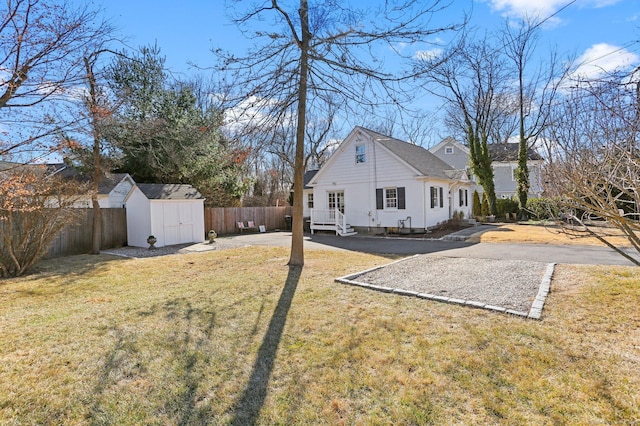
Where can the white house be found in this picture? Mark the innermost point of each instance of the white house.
(504, 162)
(112, 191)
(373, 183)
(172, 213)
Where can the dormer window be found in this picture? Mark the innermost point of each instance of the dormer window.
(448, 150)
(360, 154)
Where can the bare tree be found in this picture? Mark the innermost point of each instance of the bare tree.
(34, 208)
(595, 172)
(42, 45)
(307, 56)
(473, 79)
(535, 92)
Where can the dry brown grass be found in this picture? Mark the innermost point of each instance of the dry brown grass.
(539, 234)
(192, 339)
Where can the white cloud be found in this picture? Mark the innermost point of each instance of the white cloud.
(252, 111)
(540, 8)
(426, 55)
(603, 58)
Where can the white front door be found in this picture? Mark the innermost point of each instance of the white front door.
(336, 201)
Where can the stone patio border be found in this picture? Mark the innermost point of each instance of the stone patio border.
(535, 312)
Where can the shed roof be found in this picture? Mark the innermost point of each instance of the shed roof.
(170, 191)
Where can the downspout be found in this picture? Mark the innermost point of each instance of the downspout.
(375, 181)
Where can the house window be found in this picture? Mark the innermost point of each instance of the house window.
(448, 150)
(360, 154)
(310, 201)
(391, 198)
(463, 197)
(437, 199)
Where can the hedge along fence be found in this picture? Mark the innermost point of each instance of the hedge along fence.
(224, 220)
(77, 238)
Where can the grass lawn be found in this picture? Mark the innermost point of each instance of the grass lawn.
(236, 337)
(552, 234)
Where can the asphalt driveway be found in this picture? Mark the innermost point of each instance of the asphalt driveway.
(548, 253)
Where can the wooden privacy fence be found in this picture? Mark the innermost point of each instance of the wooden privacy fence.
(224, 219)
(77, 238)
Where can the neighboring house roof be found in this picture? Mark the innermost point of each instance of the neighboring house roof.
(161, 191)
(498, 151)
(416, 156)
(509, 152)
(111, 181)
(308, 175)
(7, 165)
(449, 140)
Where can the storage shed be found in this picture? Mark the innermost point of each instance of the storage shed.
(172, 213)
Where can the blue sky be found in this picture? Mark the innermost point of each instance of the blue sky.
(600, 34)
(603, 33)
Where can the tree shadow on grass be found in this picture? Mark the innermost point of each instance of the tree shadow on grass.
(248, 406)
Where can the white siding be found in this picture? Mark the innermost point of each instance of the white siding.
(506, 186)
(177, 221)
(118, 194)
(359, 182)
(305, 200)
(170, 221)
(138, 218)
(459, 159)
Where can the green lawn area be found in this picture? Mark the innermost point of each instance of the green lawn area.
(236, 337)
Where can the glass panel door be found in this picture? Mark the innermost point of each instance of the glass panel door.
(336, 201)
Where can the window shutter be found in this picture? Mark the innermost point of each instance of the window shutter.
(379, 199)
(441, 199)
(466, 194)
(401, 199)
(460, 197)
(433, 201)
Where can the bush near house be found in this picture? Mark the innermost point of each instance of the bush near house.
(476, 209)
(543, 208)
(506, 205)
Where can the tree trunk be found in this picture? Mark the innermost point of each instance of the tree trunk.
(297, 235)
(97, 175)
(522, 175)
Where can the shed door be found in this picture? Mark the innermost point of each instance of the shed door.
(185, 225)
(178, 223)
(171, 221)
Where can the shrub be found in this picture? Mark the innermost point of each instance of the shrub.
(543, 208)
(476, 208)
(34, 208)
(506, 205)
(484, 209)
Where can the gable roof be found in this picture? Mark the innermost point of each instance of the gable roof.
(416, 156)
(111, 181)
(171, 191)
(509, 152)
(449, 140)
(308, 175)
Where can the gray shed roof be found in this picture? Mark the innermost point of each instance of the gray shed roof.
(170, 191)
(416, 156)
